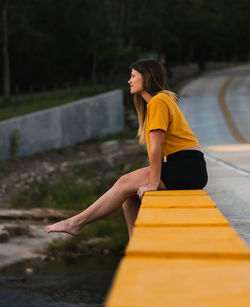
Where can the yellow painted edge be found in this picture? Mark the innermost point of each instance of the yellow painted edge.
(197, 192)
(193, 255)
(230, 122)
(180, 206)
(220, 224)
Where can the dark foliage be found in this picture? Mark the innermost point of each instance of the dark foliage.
(55, 42)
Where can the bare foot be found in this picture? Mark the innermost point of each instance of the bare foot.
(64, 226)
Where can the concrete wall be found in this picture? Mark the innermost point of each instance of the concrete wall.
(64, 125)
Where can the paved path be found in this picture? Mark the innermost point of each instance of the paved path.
(228, 160)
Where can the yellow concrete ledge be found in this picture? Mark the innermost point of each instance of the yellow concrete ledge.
(150, 282)
(172, 201)
(180, 217)
(175, 192)
(183, 252)
(191, 242)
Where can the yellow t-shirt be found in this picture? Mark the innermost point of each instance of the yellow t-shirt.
(163, 113)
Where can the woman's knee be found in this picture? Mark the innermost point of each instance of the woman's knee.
(131, 182)
(123, 180)
(134, 175)
(126, 185)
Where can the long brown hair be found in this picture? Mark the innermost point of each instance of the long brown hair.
(154, 81)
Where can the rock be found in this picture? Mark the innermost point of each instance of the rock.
(106, 251)
(131, 142)
(24, 187)
(17, 230)
(110, 161)
(48, 167)
(184, 71)
(30, 180)
(96, 240)
(80, 162)
(4, 236)
(126, 167)
(64, 165)
(29, 271)
(51, 170)
(24, 176)
(36, 213)
(39, 179)
(79, 180)
(109, 147)
(132, 119)
(44, 257)
(82, 154)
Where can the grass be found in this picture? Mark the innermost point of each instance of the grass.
(31, 102)
(80, 188)
(76, 191)
(125, 134)
(111, 232)
(61, 195)
(69, 193)
(28, 103)
(6, 167)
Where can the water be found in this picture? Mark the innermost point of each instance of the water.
(81, 282)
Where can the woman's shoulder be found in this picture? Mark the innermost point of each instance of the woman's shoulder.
(161, 98)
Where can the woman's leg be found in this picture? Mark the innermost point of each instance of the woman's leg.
(125, 187)
(131, 207)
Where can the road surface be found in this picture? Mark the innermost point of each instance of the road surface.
(228, 157)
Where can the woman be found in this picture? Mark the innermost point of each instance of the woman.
(176, 160)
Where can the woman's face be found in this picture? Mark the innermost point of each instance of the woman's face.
(135, 82)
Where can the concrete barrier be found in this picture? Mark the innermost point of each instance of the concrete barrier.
(64, 125)
(183, 252)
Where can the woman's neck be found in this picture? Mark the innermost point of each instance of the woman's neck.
(146, 96)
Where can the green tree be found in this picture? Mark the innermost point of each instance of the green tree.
(5, 48)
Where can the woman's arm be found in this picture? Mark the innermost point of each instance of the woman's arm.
(156, 138)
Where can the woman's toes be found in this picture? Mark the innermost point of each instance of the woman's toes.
(45, 228)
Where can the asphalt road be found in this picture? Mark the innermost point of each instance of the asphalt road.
(228, 159)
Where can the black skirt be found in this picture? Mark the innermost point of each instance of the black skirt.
(184, 170)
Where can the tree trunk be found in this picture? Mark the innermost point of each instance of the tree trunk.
(94, 67)
(6, 64)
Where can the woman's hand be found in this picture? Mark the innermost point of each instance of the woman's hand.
(148, 187)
